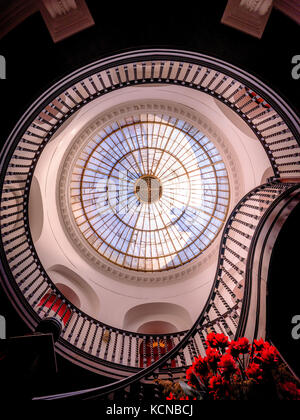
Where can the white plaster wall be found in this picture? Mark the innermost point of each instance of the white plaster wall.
(115, 298)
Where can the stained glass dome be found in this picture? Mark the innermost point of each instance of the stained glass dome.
(149, 192)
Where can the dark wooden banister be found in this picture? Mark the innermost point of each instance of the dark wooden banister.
(22, 138)
(107, 389)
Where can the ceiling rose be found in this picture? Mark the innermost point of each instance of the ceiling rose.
(149, 192)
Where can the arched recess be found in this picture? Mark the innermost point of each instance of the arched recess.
(75, 289)
(69, 294)
(269, 173)
(35, 210)
(157, 327)
(166, 315)
(153, 349)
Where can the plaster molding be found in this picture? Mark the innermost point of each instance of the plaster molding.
(79, 142)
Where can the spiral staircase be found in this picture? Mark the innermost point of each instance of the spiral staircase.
(236, 304)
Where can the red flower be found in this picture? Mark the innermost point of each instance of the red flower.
(200, 366)
(217, 340)
(241, 346)
(233, 349)
(244, 345)
(260, 345)
(227, 365)
(212, 358)
(222, 341)
(211, 340)
(289, 391)
(219, 388)
(269, 356)
(171, 397)
(254, 371)
(191, 377)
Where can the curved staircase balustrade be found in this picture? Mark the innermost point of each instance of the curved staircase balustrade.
(85, 340)
(285, 196)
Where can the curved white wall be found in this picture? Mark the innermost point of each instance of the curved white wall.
(157, 327)
(157, 316)
(75, 288)
(102, 296)
(35, 210)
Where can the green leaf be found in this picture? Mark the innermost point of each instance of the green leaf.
(189, 391)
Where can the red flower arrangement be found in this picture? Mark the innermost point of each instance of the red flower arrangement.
(236, 370)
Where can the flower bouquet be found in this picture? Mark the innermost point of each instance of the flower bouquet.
(235, 370)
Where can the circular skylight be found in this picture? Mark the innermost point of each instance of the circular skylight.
(149, 192)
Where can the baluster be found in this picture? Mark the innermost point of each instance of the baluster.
(169, 361)
(233, 279)
(253, 216)
(158, 347)
(13, 222)
(240, 232)
(181, 353)
(129, 350)
(107, 339)
(94, 85)
(196, 345)
(193, 352)
(222, 300)
(45, 301)
(210, 323)
(202, 338)
(68, 321)
(176, 357)
(80, 331)
(73, 327)
(23, 280)
(115, 346)
(151, 349)
(248, 225)
(220, 326)
(93, 338)
(235, 267)
(238, 243)
(144, 352)
(87, 334)
(100, 341)
(59, 307)
(85, 87)
(137, 351)
(227, 329)
(122, 348)
(55, 300)
(235, 254)
(13, 258)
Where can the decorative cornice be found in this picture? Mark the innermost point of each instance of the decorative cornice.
(78, 143)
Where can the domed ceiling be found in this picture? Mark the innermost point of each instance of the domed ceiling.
(149, 192)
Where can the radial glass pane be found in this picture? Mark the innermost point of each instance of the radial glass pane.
(149, 193)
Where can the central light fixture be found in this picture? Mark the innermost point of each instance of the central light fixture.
(148, 189)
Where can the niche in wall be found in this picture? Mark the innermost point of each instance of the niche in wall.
(157, 316)
(75, 289)
(35, 211)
